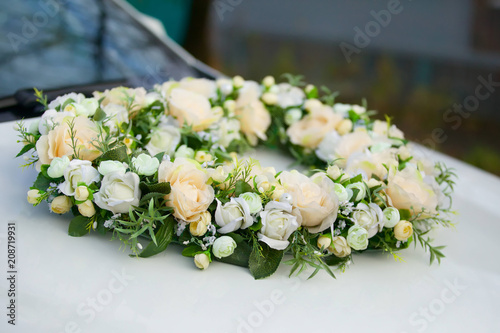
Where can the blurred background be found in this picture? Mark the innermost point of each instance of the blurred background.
(434, 66)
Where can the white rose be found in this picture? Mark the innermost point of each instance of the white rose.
(77, 172)
(57, 166)
(145, 164)
(333, 172)
(326, 148)
(357, 237)
(238, 81)
(117, 113)
(87, 107)
(33, 196)
(391, 217)
(289, 95)
(292, 116)
(184, 151)
(278, 224)
(164, 139)
(61, 204)
(87, 208)
(201, 261)
(233, 215)
(223, 247)
(369, 217)
(106, 167)
(342, 193)
(225, 86)
(339, 247)
(361, 187)
(227, 130)
(118, 192)
(51, 118)
(33, 127)
(60, 100)
(253, 200)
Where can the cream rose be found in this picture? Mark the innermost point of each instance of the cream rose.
(61, 204)
(200, 226)
(119, 192)
(191, 108)
(164, 139)
(87, 208)
(313, 199)
(339, 247)
(253, 116)
(312, 129)
(57, 143)
(190, 195)
(408, 190)
(254, 121)
(201, 260)
(403, 230)
(278, 224)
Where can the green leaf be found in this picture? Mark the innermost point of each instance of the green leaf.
(264, 263)
(333, 260)
(192, 250)
(404, 214)
(42, 183)
(78, 226)
(241, 187)
(99, 114)
(163, 238)
(241, 254)
(26, 149)
(163, 188)
(116, 154)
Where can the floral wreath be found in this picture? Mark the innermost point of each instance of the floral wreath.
(163, 165)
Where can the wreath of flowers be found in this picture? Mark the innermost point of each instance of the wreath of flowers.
(163, 165)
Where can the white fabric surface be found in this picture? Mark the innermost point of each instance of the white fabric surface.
(60, 276)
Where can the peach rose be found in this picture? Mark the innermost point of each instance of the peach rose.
(190, 195)
(313, 199)
(204, 87)
(57, 143)
(371, 163)
(122, 96)
(407, 190)
(310, 131)
(191, 108)
(253, 116)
